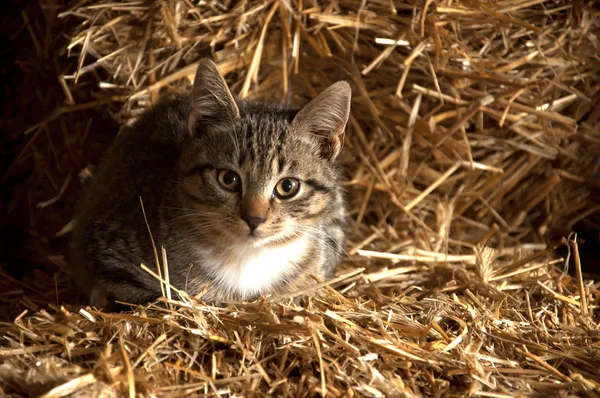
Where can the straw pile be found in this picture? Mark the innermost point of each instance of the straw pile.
(472, 144)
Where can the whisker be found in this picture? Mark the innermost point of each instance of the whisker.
(323, 234)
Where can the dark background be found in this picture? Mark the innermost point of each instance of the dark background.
(34, 167)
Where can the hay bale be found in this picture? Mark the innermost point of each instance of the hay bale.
(473, 137)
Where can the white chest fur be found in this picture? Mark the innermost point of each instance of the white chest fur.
(249, 271)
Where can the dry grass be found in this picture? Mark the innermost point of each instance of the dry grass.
(474, 134)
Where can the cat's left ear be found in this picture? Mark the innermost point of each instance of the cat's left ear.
(325, 117)
(212, 100)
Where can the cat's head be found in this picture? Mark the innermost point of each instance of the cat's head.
(255, 173)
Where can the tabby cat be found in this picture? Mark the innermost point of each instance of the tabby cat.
(244, 197)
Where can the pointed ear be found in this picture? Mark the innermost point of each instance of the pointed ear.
(325, 117)
(211, 98)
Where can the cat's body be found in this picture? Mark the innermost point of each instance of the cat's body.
(244, 197)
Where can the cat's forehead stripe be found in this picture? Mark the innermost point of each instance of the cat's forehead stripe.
(264, 142)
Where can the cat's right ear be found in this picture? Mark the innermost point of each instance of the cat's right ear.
(211, 98)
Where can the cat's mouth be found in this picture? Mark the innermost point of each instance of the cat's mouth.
(237, 234)
(258, 238)
(273, 240)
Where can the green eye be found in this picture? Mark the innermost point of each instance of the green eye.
(228, 179)
(287, 188)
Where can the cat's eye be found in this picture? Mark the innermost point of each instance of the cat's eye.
(228, 179)
(287, 188)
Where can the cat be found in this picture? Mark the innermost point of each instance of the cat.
(244, 196)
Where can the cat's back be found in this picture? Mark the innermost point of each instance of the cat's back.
(141, 156)
(139, 163)
(157, 134)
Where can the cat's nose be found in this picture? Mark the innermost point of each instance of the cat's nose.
(253, 222)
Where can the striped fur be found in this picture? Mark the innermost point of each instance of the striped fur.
(171, 158)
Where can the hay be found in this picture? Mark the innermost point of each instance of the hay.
(472, 141)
